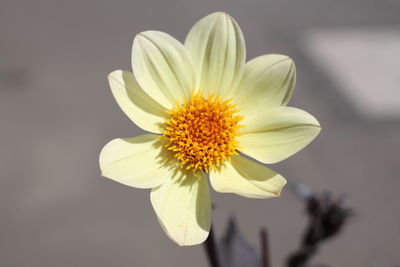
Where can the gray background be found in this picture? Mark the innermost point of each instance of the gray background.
(57, 112)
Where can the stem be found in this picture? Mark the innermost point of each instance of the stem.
(264, 248)
(211, 249)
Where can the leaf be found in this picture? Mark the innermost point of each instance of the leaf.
(234, 250)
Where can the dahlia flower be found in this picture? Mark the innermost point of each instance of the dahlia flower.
(211, 116)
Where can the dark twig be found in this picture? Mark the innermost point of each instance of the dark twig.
(264, 248)
(326, 218)
(211, 249)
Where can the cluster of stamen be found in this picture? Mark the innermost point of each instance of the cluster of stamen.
(201, 132)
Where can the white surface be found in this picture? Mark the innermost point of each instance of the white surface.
(364, 64)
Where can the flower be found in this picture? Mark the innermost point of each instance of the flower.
(205, 108)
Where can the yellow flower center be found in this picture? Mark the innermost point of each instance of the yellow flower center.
(202, 132)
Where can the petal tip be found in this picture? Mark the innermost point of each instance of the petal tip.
(186, 243)
(222, 13)
(138, 36)
(141, 36)
(218, 13)
(103, 175)
(114, 72)
(149, 34)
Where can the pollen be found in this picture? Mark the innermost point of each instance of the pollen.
(201, 132)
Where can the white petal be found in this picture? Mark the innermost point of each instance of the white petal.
(275, 134)
(247, 178)
(218, 50)
(267, 81)
(136, 161)
(183, 207)
(162, 67)
(136, 104)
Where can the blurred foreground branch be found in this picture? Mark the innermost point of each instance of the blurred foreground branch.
(265, 259)
(327, 217)
(211, 249)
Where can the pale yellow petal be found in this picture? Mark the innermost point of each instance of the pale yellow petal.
(267, 81)
(162, 67)
(247, 178)
(134, 161)
(183, 207)
(136, 104)
(275, 134)
(218, 50)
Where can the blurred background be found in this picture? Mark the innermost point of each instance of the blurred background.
(57, 112)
